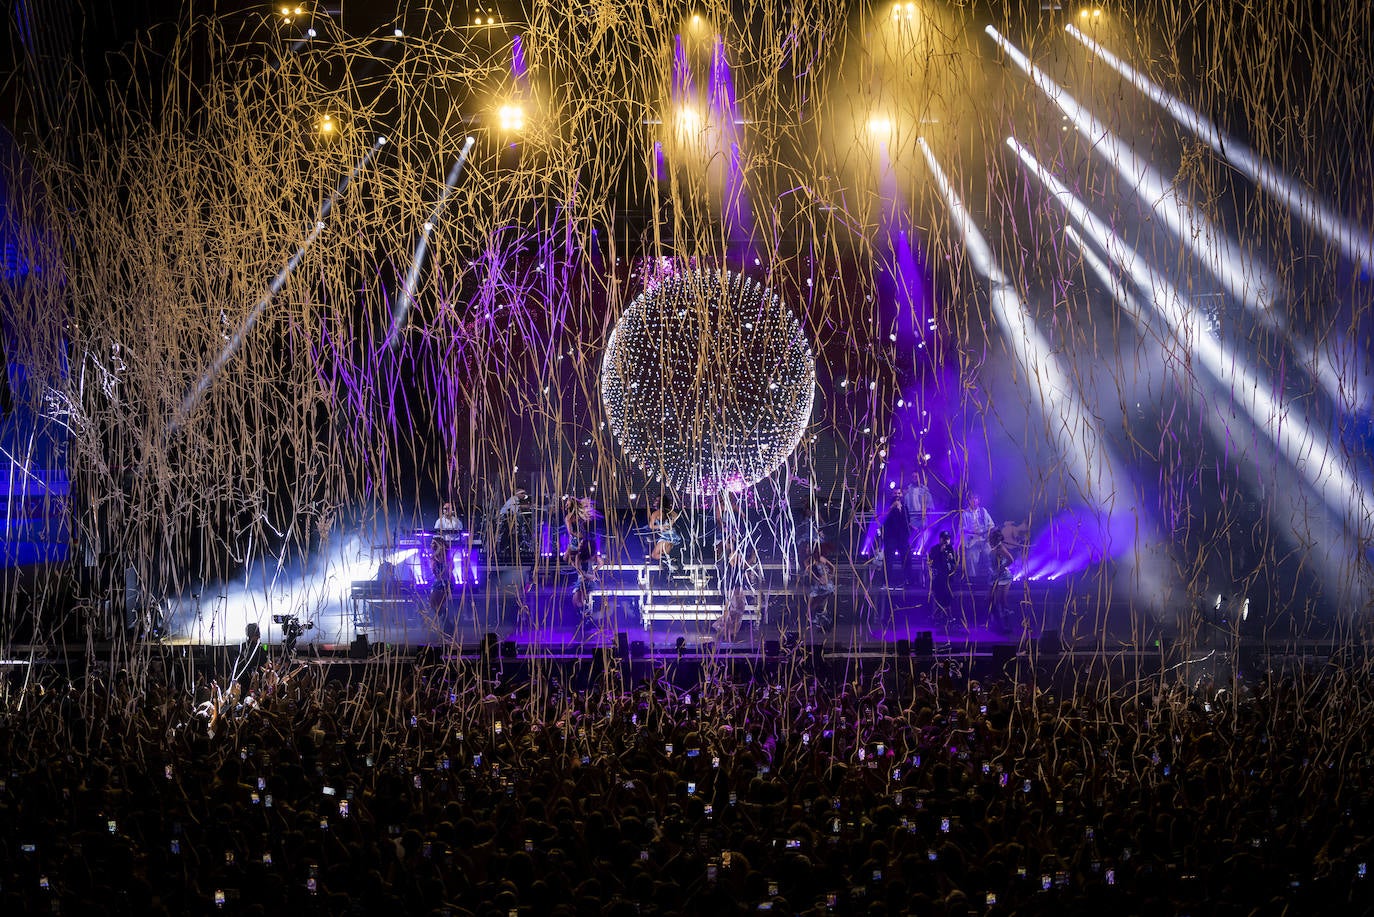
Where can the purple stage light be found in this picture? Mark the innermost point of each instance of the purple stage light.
(737, 214)
(902, 287)
(518, 68)
(1076, 539)
(682, 73)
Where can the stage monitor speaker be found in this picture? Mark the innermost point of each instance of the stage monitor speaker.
(358, 648)
(772, 649)
(925, 643)
(1050, 642)
(903, 647)
(638, 649)
(507, 649)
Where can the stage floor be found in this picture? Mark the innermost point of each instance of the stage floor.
(541, 619)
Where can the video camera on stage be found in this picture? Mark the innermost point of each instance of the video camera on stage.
(291, 626)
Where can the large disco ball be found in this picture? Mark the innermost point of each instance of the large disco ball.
(708, 381)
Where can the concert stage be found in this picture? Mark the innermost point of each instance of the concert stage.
(536, 616)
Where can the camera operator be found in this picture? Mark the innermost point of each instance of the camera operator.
(291, 630)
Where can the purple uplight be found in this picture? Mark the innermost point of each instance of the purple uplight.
(737, 214)
(682, 73)
(905, 293)
(660, 167)
(722, 85)
(1076, 539)
(518, 68)
(414, 561)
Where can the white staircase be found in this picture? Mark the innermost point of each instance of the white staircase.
(691, 595)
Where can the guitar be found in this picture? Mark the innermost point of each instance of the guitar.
(1014, 533)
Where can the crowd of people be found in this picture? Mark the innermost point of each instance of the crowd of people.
(443, 791)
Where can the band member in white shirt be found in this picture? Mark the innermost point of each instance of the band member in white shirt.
(448, 539)
(448, 523)
(916, 499)
(975, 523)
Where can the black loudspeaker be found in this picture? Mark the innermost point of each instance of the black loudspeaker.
(507, 649)
(358, 648)
(638, 649)
(925, 643)
(903, 647)
(772, 649)
(622, 644)
(1050, 643)
(491, 645)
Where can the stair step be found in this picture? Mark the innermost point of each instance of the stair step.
(654, 615)
(716, 607)
(683, 606)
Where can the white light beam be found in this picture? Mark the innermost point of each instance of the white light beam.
(1318, 534)
(188, 404)
(1356, 242)
(1307, 451)
(398, 315)
(1071, 425)
(1249, 283)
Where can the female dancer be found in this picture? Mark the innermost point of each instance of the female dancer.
(821, 572)
(662, 522)
(1001, 580)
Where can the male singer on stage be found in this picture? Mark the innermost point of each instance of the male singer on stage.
(975, 523)
(897, 546)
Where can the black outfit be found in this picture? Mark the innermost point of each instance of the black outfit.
(943, 564)
(514, 538)
(250, 658)
(897, 545)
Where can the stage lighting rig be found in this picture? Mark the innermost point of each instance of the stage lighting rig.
(511, 118)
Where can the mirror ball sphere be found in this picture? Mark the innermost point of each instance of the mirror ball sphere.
(708, 381)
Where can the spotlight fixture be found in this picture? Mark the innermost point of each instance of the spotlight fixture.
(689, 122)
(511, 118)
(880, 127)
